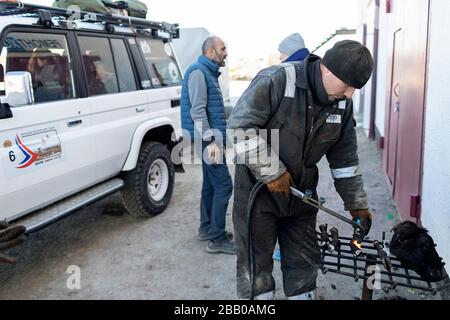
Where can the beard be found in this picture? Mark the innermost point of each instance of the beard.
(220, 61)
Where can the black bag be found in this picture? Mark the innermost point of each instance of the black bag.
(415, 248)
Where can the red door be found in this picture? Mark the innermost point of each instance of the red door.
(403, 161)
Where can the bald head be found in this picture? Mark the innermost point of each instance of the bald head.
(214, 48)
(208, 44)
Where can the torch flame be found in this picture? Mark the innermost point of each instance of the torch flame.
(357, 244)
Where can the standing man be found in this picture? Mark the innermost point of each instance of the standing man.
(292, 48)
(203, 116)
(309, 105)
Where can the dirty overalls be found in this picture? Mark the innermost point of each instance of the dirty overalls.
(280, 98)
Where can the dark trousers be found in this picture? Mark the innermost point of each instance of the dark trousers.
(300, 255)
(216, 192)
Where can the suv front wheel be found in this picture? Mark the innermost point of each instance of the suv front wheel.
(148, 188)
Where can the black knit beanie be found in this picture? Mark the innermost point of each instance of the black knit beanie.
(350, 61)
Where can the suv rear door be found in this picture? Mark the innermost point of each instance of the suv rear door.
(46, 149)
(117, 104)
(164, 73)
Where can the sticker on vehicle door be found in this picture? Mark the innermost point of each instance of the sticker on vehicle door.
(32, 149)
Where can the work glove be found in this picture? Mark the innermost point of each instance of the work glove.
(282, 184)
(213, 153)
(363, 218)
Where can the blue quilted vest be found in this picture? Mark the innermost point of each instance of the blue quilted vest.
(215, 108)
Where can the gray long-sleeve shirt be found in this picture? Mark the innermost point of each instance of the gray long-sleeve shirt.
(198, 96)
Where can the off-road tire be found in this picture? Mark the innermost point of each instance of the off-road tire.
(136, 196)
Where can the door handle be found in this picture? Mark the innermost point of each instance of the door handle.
(175, 103)
(140, 109)
(74, 123)
(397, 106)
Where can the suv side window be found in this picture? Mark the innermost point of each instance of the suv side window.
(46, 57)
(123, 66)
(160, 61)
(99, 65)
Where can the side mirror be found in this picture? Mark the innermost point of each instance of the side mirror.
(19, 88)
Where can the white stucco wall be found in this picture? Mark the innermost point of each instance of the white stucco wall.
(436, 175)
(366, 17)
(383, 45)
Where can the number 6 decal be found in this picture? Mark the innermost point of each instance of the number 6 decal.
(12, 156)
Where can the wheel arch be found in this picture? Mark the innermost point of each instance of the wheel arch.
(157, 130)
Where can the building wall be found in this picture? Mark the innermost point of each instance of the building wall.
(435, 205)
(436, 171)
(366, 14)
(382, 74)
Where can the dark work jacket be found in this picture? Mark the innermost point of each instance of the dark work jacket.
(306, 133)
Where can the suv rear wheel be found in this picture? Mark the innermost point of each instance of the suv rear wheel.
(148, 188)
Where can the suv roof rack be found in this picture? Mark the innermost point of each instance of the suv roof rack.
(18, 8)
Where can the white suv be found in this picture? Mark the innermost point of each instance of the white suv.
(89, 106)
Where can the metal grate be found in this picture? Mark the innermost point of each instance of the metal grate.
(342, 261)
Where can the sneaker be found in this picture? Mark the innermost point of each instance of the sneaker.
(202, 237)
(311, 295)
(205, 237)
(226, 246)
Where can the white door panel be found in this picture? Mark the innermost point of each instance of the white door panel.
(116, 117)
(160, 104)
(43, 158)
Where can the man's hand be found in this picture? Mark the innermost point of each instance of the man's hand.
(364, 218)
(213, 153)
(281, 185)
